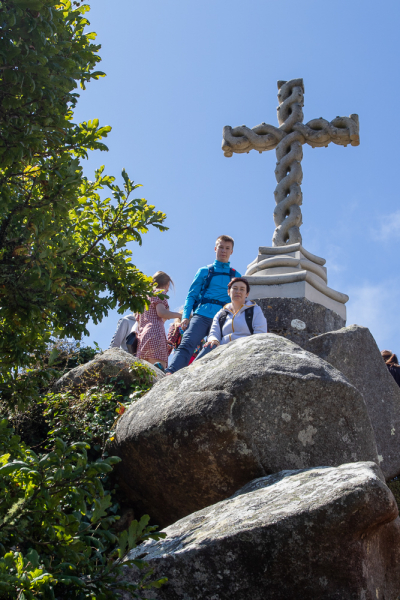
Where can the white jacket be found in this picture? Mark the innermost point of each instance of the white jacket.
(235, 326)
(124, 327)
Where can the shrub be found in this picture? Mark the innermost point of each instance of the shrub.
(60, 534)
(90, 415)
(56, 525)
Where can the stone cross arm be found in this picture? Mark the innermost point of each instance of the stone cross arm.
(288, 140)
(316, 133)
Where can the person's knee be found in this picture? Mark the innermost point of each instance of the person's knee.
(191, 339)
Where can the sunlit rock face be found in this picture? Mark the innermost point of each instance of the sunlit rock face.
(250, 408)
(316, 534)
(354, 352)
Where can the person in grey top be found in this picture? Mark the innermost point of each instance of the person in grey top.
(124, 328)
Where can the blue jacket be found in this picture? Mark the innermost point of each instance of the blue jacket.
(217, 290)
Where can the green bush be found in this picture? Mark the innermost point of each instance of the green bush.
(59, 528)
(91, 415)
(77, 415)
(21, 400)
(24, 388)
(56, 525)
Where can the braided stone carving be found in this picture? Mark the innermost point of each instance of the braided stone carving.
(288, 140)
(288, 195)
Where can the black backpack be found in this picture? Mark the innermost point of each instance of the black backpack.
(248, 315)
(132, 343)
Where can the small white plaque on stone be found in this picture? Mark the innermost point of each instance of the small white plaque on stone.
(297, 324)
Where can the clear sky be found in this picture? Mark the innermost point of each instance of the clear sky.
(178, 71)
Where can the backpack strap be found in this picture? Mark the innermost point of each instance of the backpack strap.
(205, 285)
(221, 320)
(213, 301)
(207, 282)
(211, 273)
(248, 315)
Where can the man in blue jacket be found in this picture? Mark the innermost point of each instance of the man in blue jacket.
(207, 294)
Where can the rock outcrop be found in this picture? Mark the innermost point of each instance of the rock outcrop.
(353, 351)
(250, 408)
(316, 534)
(298, 319)
(111, 363)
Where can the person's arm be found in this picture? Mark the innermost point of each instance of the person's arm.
(214, 337)
(194, 292)
(166, 314)
(259, 321)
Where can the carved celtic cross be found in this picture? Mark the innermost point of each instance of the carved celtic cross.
(288, 139)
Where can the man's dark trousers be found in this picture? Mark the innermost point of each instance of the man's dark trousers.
(199, 327)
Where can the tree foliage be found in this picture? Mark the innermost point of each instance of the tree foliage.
(56, 525)
(63, 258)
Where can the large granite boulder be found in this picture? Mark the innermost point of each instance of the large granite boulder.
(316, 534)
(353, 351)
(114, 362)
(250, 408)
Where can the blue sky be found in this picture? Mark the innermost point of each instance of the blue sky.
(177, 72)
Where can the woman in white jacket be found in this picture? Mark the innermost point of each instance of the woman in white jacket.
(238, 319)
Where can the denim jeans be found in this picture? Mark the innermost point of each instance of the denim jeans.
(199, 327)
(205, 351)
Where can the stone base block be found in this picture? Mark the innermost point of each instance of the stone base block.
(298, 290)
(298, 319)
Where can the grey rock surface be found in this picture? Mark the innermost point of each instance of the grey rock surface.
(250, 408)
(281, 312)
(353, 351)
(111, 363)
(316, 534)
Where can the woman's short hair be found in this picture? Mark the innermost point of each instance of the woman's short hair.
(162, 279)
(236, 279)
(389, 357)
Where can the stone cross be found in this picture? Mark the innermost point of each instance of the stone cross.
(288, 139)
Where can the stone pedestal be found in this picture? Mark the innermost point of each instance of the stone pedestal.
(294, 273)
(298, 319)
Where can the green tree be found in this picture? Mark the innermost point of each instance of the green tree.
(63, 256)
(63, 261)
